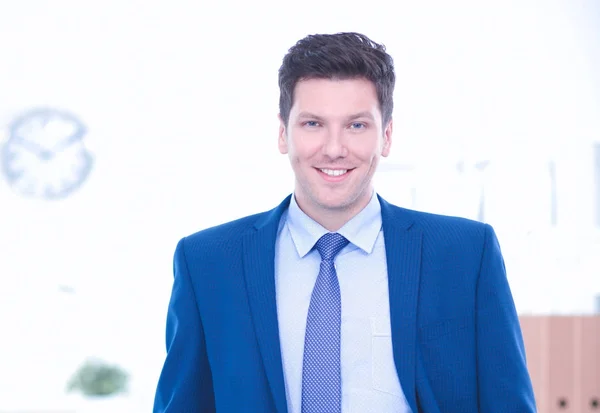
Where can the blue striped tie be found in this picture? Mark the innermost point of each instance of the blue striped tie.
(321, 370)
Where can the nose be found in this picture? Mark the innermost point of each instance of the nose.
(335, 146)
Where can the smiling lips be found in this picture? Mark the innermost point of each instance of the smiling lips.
(334, 175)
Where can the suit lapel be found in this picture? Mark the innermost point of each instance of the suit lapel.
(403, 254)
(259, 270)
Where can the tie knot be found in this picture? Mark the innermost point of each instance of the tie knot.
(329, 245)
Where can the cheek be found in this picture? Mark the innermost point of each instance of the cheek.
(304, 150)
(296, 158)
(367, 151)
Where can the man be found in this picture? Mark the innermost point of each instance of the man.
(337, 301)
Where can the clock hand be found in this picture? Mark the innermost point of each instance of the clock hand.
(65, 143)
(35, 148)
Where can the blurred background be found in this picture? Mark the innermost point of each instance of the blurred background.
(126, 125)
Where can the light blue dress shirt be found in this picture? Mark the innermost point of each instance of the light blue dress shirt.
(369, 379)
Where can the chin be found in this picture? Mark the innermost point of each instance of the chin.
(335, 202)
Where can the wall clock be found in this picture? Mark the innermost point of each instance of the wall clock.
(45, 156)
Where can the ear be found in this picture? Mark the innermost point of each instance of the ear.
(282, 140)
(387, 139)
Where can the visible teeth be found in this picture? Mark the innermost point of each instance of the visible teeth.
(334, 172)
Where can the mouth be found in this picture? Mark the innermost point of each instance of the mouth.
(334, 175)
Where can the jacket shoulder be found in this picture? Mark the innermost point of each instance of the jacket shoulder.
(230, 234)
(227, 231)
(445, 226)
(440, 220)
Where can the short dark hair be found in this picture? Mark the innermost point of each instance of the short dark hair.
(337, 56)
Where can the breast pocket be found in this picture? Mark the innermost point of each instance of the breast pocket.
(384, 375)
(448, 350)
(448, 327)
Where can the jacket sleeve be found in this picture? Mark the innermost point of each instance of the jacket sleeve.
(185, 383)
(503, 379)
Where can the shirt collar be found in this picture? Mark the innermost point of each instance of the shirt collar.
(362, 230)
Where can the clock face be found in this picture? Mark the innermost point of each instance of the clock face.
(45, 156)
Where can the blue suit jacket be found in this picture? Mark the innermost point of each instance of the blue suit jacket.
(456, 337)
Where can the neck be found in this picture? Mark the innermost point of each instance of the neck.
(332, 219)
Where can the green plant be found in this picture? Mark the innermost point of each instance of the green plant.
(96, 378)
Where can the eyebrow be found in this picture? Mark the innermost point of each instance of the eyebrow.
(364, 114)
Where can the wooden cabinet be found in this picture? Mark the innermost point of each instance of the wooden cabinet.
(563, 358)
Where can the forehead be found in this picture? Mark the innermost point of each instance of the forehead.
(333, 97)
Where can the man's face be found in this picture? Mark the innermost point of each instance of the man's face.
(334, 139)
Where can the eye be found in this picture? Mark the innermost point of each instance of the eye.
(311, 123)
(357, 125)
